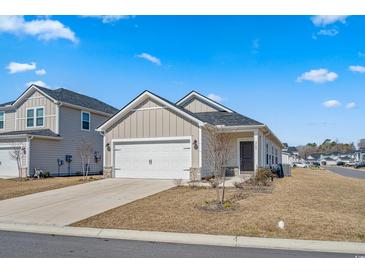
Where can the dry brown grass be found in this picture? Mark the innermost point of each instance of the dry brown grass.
(314, 204)
(10, 188)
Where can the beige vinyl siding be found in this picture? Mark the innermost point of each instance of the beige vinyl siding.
(196, 105)
(44, 153)
(9, 121)
(37, 100)
(152, 120)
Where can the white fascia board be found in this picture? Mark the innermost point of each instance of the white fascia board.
(210, 101)
(31, 89)
(127, 108)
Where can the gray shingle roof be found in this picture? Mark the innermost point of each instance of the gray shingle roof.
(71, 97)
(7, 103)
(225, 118)
(36, 132)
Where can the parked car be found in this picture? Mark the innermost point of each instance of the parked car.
(316, 164)
(350, 164)
(359, 165)
(298, 164)
(340, 163)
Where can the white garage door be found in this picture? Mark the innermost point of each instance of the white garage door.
(163, 159)
(8, 166)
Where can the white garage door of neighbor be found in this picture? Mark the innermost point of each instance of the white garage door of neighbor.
(166, 159)
(8, 166)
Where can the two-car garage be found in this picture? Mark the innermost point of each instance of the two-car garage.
(154, 158)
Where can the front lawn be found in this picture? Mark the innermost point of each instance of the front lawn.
(314, 204)
(10, 188)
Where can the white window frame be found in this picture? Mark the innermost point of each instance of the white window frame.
(3, 112)
(34, 117)
(82, 121)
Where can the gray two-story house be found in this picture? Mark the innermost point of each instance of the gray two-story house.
(50, 128)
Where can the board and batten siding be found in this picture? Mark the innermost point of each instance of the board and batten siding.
(36, 100)
(9, 121)
(196, 105)
(44, 153)
(151, 120)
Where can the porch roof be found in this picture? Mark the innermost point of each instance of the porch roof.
(45, 133)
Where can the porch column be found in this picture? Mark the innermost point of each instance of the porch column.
(256, 149)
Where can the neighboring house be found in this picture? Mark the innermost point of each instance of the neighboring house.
(290, 155)
(359, 155)
(152, 137)
(48, 125)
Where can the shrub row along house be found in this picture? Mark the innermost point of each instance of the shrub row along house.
(150, 137)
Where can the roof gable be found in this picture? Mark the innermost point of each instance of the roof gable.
(194, 94)
(66, 96)
(139, 99)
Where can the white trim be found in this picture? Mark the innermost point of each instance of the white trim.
(200, 149)
(142, 96)
(35, 117)
(82, 112)
(256, 149)
(247, 139)
(27, 155)
(45, 116)
(210, 101)
(3, 112)
(57, 119)
(104, 151)
(127, 140)
(150, 108)
(31, 89)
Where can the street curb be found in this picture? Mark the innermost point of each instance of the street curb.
(190, 238)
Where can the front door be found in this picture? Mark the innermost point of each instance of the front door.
(246, 156)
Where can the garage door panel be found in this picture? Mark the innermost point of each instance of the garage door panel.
(8, 166)
(153, 159)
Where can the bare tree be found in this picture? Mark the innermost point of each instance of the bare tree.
(17, 153)
(218, 153)
(86, 152)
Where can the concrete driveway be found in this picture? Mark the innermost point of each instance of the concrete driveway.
(67, 205)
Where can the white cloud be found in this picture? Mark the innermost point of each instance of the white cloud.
(40, 72)
(359, 69)
(38, 83)
(328, 32)
(351, 105)
(150, 58)
(331, 104)
(43, 29)
(324, 20)
(15, 67)
(318, 76)
(215, 97)
(106, 19)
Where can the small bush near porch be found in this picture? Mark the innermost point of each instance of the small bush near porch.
(314, 204)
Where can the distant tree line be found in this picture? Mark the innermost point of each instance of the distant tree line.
(327, 147)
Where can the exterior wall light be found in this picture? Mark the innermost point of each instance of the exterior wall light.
(107, 146)
(195, 144)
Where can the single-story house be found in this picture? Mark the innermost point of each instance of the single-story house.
(152, 137)
(328, 161)
(48, 128)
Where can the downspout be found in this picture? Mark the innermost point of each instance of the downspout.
(29, 138)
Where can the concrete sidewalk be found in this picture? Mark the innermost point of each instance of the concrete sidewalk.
(188, 238)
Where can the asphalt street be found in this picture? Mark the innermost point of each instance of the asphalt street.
(348, 172)
(28, 245)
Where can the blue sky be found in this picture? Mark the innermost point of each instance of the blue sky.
(303, 76)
